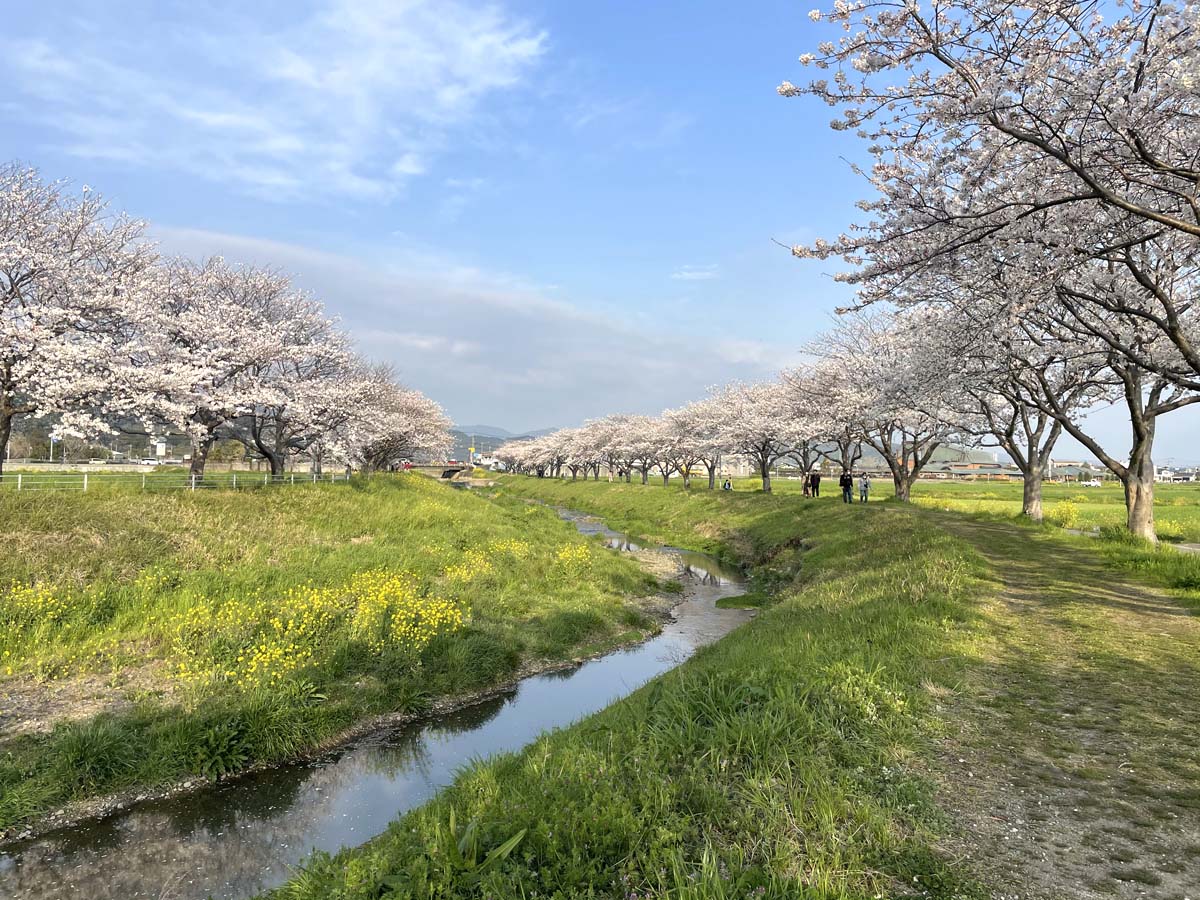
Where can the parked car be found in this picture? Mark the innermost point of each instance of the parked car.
(149, 461)
(1091, 482)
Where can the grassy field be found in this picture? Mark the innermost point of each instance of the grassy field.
(149, 637)
(1176, 506)
(880, 730)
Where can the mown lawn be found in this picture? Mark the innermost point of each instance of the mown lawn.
(934, 705)
(148, 637)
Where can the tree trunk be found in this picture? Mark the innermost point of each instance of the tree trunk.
(666, 478)
(645, 476)
(200, 448)
(1139, 492)
(1139, 499)
(687, 479)
(765, 470)
(712, 479)
(903, 485)
(5, 433)
(1031, 501)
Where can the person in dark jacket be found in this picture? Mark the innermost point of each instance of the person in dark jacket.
(814, 484)
(846, 483)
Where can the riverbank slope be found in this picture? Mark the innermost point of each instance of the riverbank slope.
(150, 639)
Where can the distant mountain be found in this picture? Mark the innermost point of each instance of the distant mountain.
(484, 430)
(493, 431)
(485, 439)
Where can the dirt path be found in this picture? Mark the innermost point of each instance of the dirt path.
(1075, 761)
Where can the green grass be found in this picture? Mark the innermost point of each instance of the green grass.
(222, 629)
(780, 762)
(822, 751)
(1176, 506)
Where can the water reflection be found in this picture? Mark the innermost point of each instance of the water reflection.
(239, 838)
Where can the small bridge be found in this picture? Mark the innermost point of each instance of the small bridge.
(442, 473)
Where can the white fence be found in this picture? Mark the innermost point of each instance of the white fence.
(154, 481)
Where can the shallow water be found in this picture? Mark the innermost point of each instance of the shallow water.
(236, 839)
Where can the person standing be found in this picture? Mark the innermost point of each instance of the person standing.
(864, 487)
(846, 483)
(814, 483)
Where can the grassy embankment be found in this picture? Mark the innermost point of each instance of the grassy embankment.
(800, 756)
(149, 637)
(777, 763)
(1176, 506)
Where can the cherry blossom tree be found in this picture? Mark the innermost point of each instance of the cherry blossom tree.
(1043, 124)
(296, 386)
(72, 280)
(885, 393)
(212, 347)
(695, 430)
(388, 423)
(759, 422)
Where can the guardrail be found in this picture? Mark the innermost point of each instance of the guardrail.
(149, 481)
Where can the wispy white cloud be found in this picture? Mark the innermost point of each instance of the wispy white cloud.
(696, 273)
(381, 338)
(494, 347)
(354, 98)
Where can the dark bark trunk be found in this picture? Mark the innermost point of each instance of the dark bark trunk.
(666, 477)
(200, 449)
(5, 434)
(764, 468)
(1031, 500)
(645, 476)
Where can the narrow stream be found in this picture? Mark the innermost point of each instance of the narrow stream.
(242, 837)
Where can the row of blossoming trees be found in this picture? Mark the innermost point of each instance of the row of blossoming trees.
(1031, 249)
(98, 331)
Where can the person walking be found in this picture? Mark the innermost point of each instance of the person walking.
(846, 483)
(814, 483)
(864, 487)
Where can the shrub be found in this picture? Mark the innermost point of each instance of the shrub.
(92, 756)
(221, 750)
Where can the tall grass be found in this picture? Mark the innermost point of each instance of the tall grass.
(226, 629)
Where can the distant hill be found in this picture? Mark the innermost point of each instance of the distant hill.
(485, 438)
(484, 430)
(493, 431)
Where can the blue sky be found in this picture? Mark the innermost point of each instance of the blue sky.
(539, 212)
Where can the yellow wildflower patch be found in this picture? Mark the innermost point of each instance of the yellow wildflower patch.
(259, 640)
